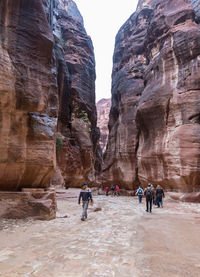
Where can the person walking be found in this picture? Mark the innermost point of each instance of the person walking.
(153, 199)
(159, 196)
(140, 193)
(86, 196)
(107, 189)
(149, 193)
(112, 189)
(116, 190)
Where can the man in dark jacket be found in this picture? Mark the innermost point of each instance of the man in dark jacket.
(159, 196)
(149, 193)
(86, 196)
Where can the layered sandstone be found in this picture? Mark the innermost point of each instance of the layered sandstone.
(30, 203)
(154, 123)
(103, 110)
(47, 97)
(79, 157)
(28, 102)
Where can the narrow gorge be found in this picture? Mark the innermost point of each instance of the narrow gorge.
(48, 117)
(54, 137)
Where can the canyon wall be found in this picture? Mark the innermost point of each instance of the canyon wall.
(154, 126)
(47, 98)
(28, 98)
(79, 154)
(103, 111)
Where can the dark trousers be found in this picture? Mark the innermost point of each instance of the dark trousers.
(148, 204)
(159, 201)
(140, 198)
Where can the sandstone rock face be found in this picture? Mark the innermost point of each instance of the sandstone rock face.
(28, 102)
(103, 110)
(193, 197)
(154, 123)
(47, 96)
(33, 203)
(79, 158)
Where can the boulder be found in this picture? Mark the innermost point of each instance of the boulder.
(29, 203)
(193, 197)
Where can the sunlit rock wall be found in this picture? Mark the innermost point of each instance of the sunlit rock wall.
(47, 103)
(47, 70)
(155, 120)
(28, 98)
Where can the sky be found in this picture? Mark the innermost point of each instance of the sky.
(102, 20)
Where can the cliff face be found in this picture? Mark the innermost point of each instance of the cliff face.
(28, 98)
(33, 77)
(47, 95)
(79, 157)
(154, 123)
(103, 110)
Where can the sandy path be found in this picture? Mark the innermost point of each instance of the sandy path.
(121, 240)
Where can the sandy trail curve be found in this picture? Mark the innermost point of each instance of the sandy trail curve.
(121, 240)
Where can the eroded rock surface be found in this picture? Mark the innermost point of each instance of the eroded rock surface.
(30, 203)
(47, 96)
(28, 91)
(103, 110)
(154, 123)
(80, 156)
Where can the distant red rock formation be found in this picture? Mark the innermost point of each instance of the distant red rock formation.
(103, 110)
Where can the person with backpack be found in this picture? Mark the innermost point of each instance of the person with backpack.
(86, 196)
(112, 189)
(139, 193)
(159, 196)
(149, 193)
(153, 199)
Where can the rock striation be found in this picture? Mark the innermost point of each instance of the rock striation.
(154, 126)
(28, 102)
(47, 98)
(79, 156)
(103, 110)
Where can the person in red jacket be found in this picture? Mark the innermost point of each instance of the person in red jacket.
(107, 189)
(116, 190)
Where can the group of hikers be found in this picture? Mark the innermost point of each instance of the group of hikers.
(114, 190)
(152, 195)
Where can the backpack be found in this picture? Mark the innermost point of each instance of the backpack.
(148, 194)
(140, 191)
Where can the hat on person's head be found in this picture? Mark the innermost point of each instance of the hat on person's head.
(84, 185)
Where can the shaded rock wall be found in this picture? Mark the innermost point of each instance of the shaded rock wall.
(103, 110)
(80, 156)
(154, 123)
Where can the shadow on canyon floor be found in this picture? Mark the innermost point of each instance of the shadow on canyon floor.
(120, 240)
